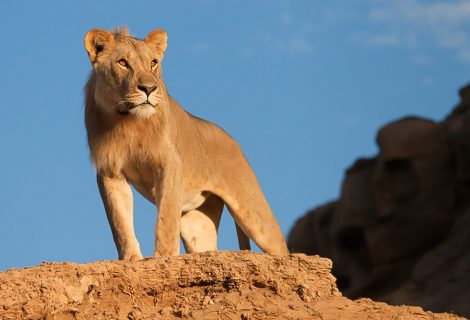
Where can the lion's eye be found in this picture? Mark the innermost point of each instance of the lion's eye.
(122, 62)
(153, 63)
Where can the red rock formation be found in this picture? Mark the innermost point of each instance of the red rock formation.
(400, 231)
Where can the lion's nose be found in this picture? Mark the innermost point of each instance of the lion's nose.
(147, 89)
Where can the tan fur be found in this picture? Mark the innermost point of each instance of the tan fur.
(138, 135)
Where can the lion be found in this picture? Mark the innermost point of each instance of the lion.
(188, 167)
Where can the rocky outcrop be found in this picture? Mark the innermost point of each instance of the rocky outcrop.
(400, 231)
(213, 285)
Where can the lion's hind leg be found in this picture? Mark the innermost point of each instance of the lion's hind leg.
(199, 227)
(254, 217)
(259, 224)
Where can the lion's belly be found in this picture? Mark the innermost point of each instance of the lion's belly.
(193, 200)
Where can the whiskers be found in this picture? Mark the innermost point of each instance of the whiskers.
(139, 104)
(155, 98)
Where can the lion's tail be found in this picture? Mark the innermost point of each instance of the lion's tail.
(243, 240)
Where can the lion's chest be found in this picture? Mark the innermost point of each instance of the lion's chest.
(142, 178)
(145, 179)
(138, 162)
(141, 163)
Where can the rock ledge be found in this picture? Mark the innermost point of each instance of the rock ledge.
(213, 285)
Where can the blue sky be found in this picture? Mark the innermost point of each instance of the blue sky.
(302, 85)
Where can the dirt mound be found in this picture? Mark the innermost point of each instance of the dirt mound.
(213, 285)
(399, 232)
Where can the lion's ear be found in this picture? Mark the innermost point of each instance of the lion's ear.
(157, 39)
(97, 40)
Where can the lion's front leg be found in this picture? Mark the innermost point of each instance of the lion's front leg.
(118, 203)
(169, 203)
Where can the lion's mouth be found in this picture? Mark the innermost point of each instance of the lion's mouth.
(128, 106)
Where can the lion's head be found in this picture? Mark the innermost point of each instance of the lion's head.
(127, 73)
